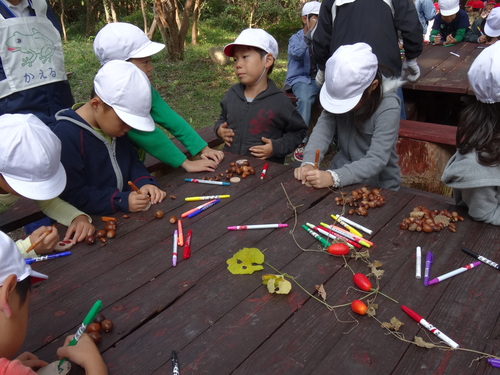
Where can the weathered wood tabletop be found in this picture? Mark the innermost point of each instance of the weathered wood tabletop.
(220, 323)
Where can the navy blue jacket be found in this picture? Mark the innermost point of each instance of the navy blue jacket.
(96, 168)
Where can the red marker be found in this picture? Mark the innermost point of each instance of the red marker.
(187, 245)
(264, 171)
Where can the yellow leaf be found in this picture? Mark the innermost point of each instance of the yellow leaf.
(246, 261)
(277, 284)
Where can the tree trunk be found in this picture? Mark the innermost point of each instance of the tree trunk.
(144, 18)
(196, 16)
(113, 12)
(65, 38)
(107, 12)
(91, 17)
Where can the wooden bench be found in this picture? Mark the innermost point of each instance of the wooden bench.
(25, 211)
(424, 149)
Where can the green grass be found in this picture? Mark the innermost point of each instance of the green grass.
(192, 87)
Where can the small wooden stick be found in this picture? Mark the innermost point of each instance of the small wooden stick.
(135, 188)
(316, 159)
(40, 239)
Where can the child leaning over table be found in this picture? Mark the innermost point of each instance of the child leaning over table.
(485, 30)
(16, 278)
(124, 41)
(257, 118)
(450, 24)
(361, 111)
(474, 170)
(96, 153)
(30, 166)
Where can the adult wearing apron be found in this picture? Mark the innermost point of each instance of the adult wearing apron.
(32, 74)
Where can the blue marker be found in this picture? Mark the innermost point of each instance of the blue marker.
(47, 257)
(427, 272)
(203, 208)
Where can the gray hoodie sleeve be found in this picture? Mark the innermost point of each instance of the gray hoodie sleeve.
(483, 203)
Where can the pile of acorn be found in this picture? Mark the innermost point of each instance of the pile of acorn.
(241, 168)
(422, 219)
(102, 235)
(100, 324)
(361, 200)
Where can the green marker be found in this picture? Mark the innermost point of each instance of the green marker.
(324, 242)
(88, 319)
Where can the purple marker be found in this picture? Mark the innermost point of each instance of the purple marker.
(453, 273)
(494, 362)
(427, 272)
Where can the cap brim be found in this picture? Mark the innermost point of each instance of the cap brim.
(145, 124)
(151, 49)
(338, 106)
(36, 277)
(40, 190)
(492, 33)
(450, 12)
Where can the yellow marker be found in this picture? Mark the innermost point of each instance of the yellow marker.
(205, 198)
(347, 226)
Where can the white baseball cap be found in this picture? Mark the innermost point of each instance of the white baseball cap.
(30, 157)
(350, 70)
(124, 87)
(312, 7)
(12, 262)
(492, 25)
(449, 7)
(484, 75)
(123, 41)
(254, 38)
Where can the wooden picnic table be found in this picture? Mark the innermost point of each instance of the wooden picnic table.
(443, 88)
(220, 323)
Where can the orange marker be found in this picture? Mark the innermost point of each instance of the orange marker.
(132, 185)
(180, 234)
(316, 159)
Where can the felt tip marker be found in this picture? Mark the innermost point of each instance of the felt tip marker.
(324, 242)
(180, 232)
(200, 210)
(187, 245)
(349, 235)
(175, 364)
(481, 258)
(207, 182)
(428, 261)
(429, 326)
(206, 198)
(174, 249)
(89, 318)
(329, 234)
(418, 269)
(185, 214)
(454, 272)
(257, 226)
(354, 224)
(494, 362)
(346, 226)
(264, 171)
(47, 257)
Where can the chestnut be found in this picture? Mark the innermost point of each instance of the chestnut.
(100, 233)
(107, 325)
(94, 327)
(109, 227)
(172, 219)
(90, 240)
(99, 318)
(96, 337)
(111, 233)
(159, 214)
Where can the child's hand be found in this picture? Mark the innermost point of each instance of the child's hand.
(85, 354)
(450, 39)
(201, 165)
(79, 229)
(318, 179)
(138, 202)
(264, 151)
(155, 194)
(210, 153)
(48, 243)
(30, 360)
(482, 39)
(300, 173)
(437, 39)
(225, 134)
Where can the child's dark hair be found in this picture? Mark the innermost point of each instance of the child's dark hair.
(479, 130)
(22, 288)
(263, 53)
(370, 100)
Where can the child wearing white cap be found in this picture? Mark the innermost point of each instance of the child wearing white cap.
(16, 278)
(30, 166)
(124, 41)
(98, 159)
(474, 170)
(450, 24)
(362, 112)
(257, 118)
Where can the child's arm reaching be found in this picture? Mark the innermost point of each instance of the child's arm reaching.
(85, 354)
(30, 360)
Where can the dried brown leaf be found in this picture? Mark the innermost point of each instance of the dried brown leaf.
(394, 325)
(423, 344)
(321, 291)
(361, 254)
(375, 269)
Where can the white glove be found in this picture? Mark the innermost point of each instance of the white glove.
(320, 78)
(413, 69)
